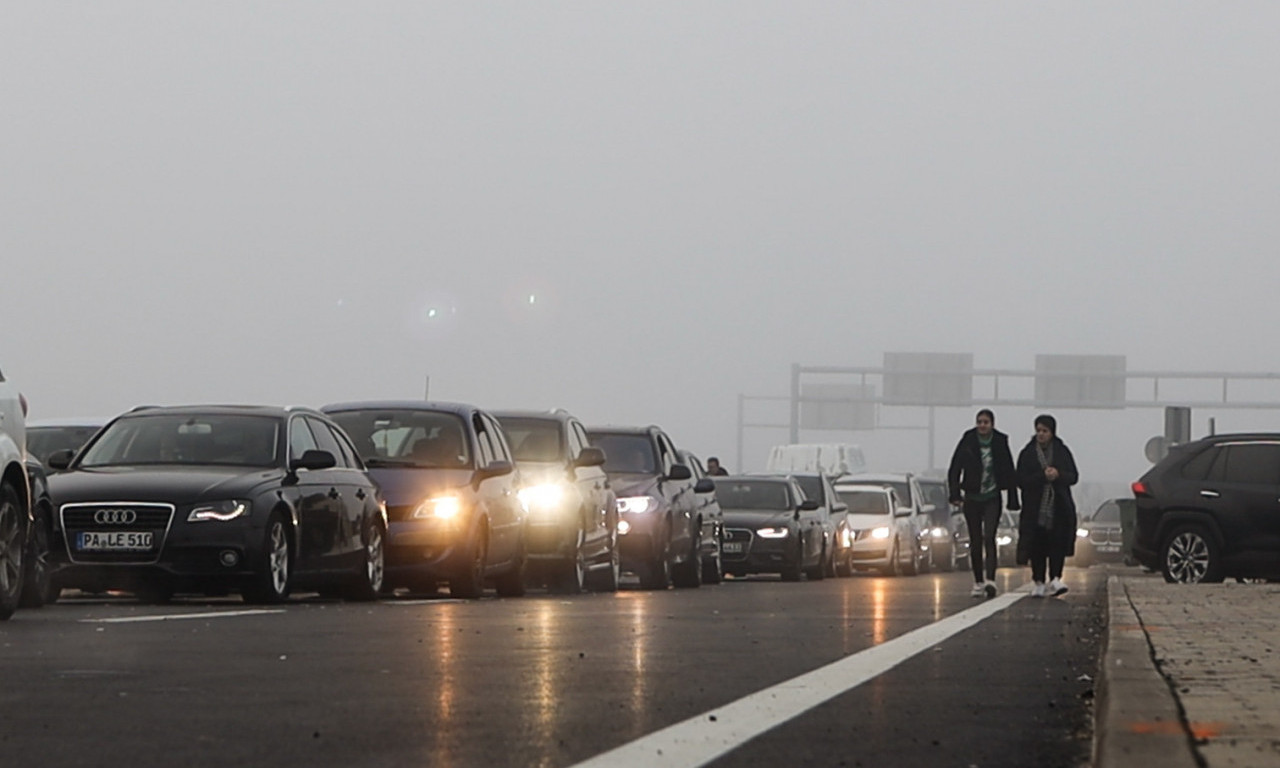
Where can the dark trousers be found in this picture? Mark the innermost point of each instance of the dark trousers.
(982, 517)
(1043, 553)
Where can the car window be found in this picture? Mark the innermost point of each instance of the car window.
(667, 449)
(408, 436)
(488, 453)
(42, 441)
(1197, 468)
(325, 440)
(812, 487)
(501, 445)
(534, 439)
(626, 452)
(1107, 513)
(865, 502)
(1253, 463)
(580, 438)
(763, 495)
(160, 438)
(300, 439)
(349, 457)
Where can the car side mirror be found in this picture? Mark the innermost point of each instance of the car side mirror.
(705, 485)
(60, 459)
(314, 459)
(590, 457)
(903, 512)
(840, 509)
(494, 469)
(809, 505)
(928, 508)
(680, 472)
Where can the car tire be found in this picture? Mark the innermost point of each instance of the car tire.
(844, 568)
(688, 575)
(713, 567)
(12, 548)
(819, 571)
(367, 584)
(657, 572)
(829, 569)
(270, 582)
(1190, 555)
(607, 579)
(468, 583)
(37, 584)
(894, 568)
(793, 570)
(570, 576)
(512, 583)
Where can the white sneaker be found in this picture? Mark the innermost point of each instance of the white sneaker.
(990, 588)
(1038, 589)
(1057, 587)
(978, 590)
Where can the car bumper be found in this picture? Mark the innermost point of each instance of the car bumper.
(743, 552)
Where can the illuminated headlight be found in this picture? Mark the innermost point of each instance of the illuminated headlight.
(938, 533)
(441, 508)
(220, 511)
(623, 527)
(1082, 533)
(772, 533)
(636, 504)
(846, 537)
(1004, 540)
(879, 533)
(542, 497)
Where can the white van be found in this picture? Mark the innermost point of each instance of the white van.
(830, 459)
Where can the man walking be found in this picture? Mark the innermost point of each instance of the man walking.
(981, 468)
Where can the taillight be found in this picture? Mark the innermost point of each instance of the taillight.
(1140, 488)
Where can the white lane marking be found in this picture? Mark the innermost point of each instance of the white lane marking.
(699, 740)
(177, 616)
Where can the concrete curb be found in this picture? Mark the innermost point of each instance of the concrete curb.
(1139, 721)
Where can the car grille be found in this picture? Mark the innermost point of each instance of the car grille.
(1103, 536)
(740, 536)
(147, 518)
(400, 513)
(862, 535)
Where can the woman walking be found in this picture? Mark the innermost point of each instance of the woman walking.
(1047, 530)
(981, 468)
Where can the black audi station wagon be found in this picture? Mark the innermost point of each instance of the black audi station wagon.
(211, 499)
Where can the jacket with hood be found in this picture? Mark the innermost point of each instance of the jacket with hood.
(964, 477)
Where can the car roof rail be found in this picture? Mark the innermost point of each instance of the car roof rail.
(137, 408)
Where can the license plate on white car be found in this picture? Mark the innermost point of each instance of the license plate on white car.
(114, 541)
(732, 547)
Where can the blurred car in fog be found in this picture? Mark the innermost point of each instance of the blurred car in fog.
(1007, 539)
(15, 498)
(833, 515)
(1099, 538)
(47, 436)
(213, 498)
(37, 582)
(912, 518)
(948, 533)
(658, 526)
(452, 493)
(883, 537)
(712, 517)
(572, 526)
(770, 527)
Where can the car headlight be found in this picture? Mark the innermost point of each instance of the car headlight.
(938, 533)
(846, 537)
(636, 504)
(880, 533)
(548, 496)
(440, 508)
(1082, 533)
(772, 533)
(1004, 540)
(220, 511)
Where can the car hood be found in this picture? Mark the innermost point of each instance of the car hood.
(539, 472)
(173, 484)
(757, 518)
(410, 485)
(862, 522)
(634, 485)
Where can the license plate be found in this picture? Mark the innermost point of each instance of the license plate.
(732, 547)
(1109, 548)
(113, 541)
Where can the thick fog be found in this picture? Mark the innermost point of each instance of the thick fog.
(635, 211)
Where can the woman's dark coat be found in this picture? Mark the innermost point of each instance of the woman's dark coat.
(1032, 482)
(965, 472)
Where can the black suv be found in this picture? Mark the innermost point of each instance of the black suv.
(1211, 509)
(659, 530)
(572, 525)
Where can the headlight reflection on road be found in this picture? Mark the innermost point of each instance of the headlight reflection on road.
(879, 632)
(639, 620)
(545, 674)
(445, 651)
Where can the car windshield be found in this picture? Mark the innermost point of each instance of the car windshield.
(936, 494)
(865, 502)
(1107, 513)
(42, 441)
(534, 439)
(901, 486)
(409, 437)
(812, 487)
(762, 495)
(230, 439)
(625, 452)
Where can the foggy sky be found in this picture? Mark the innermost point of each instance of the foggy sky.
(307, 202)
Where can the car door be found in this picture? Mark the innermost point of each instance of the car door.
(319, 503)
(498, 494)
(352, 485)
(681, 495)
(593, 486)
(1243, 488)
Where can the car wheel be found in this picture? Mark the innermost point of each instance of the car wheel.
(713, 567)
(469, 582)
(12, 546)
(844, 568)
(657, 572)
(607, 579)
(819, 571)
(570, 577)
(793, 570)
(1190, 555)
(913, 567)
(512, 583)
(688, 575)
(829, 568)
(894, 568)
(368, 583)
(37, 584)
(270, 582)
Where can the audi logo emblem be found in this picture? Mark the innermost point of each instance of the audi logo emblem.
(115, 517)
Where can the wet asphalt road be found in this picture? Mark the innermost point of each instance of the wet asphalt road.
(548, 680)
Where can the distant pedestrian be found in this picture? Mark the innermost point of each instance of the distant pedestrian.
(714, 469)
(981, 468)
(1047, 530)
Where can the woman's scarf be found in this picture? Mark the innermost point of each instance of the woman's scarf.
(1045, 519)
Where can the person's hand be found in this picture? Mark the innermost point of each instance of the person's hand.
(955, 502)
(1051, 473)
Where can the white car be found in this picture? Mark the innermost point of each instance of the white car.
(15, 496)
(880, 529)
(914, 514)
